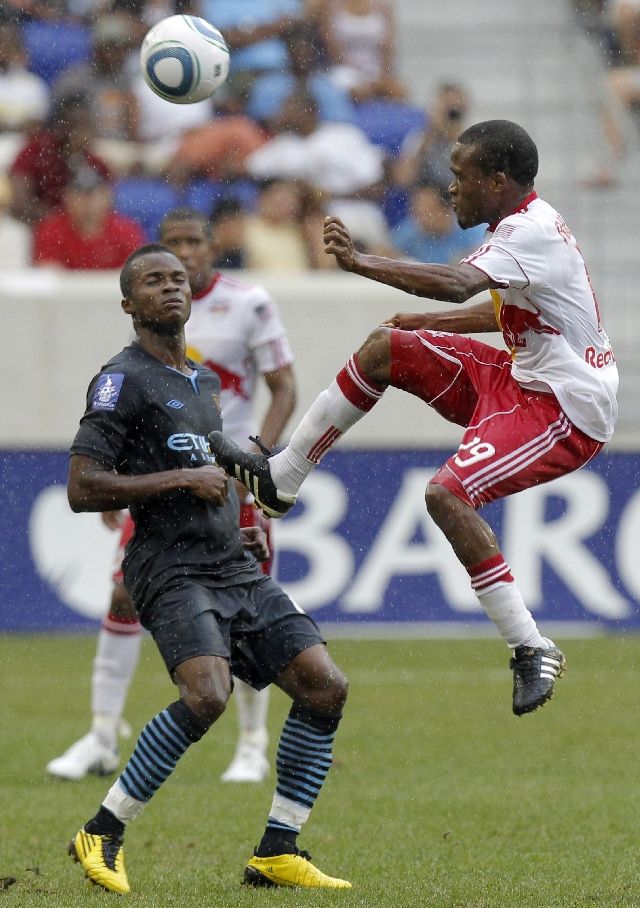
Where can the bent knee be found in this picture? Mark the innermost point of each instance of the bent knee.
(374, 356)
(438, 499)
(342, 690)
(208, 700)
(336, 691)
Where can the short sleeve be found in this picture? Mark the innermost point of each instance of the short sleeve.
(267, 337)
(514, 256)
(104, 426)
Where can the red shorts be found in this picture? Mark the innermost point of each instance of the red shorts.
(514, 438)
(249, 517)
(126, 532)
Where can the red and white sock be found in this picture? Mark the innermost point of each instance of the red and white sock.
(501, 599)
(114, 665)
(347, 399)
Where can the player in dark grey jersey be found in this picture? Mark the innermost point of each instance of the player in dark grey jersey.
(142, 444)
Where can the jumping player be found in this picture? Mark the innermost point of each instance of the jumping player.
(542, 409)
(142, 445)
(234, 329)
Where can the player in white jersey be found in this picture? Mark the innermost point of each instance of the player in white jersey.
(235, 329)
(541, 409)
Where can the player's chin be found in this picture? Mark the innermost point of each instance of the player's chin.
(171, 320)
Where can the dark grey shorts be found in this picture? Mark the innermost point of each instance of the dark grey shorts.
(254, 625)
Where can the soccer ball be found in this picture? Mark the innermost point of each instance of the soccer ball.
(184, 59)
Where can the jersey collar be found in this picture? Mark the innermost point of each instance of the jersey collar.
(524, 204)
(209, 288)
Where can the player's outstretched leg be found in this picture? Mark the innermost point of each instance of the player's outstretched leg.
(252, 470)
(275, 479)
(535, 670)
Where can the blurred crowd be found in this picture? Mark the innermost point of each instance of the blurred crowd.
(313, 120)
(615, 25)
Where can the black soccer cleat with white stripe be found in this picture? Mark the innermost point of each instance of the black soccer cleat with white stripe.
(535, 671)
(253, 471)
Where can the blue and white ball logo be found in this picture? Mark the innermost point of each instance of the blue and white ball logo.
(184, 59)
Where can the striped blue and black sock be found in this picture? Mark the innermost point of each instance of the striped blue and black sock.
(305, 754)
(162, 742)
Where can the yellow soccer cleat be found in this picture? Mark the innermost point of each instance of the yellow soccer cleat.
(290, 870)
(102, 859)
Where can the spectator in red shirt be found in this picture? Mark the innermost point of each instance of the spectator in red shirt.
(87, 233)
(42, 168)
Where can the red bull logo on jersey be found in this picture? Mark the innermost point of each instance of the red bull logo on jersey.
(599, 358)
(516, 322)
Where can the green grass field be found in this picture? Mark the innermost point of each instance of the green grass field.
(439, 796)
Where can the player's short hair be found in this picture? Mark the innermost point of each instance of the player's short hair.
(503, 146)
(179, 215)
(127, 273)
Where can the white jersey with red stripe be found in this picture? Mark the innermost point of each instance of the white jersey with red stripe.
(235, 329)
(549, 314)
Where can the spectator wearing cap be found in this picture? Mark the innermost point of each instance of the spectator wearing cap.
(87, 233)
(430, 233)
(44, 165)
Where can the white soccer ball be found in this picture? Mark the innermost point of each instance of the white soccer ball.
(184, 59)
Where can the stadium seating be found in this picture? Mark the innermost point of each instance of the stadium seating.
(146, 201)
(203, 195)
(387, 123)
(54, 46)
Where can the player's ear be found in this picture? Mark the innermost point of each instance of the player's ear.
(126, 306)
(500, 180)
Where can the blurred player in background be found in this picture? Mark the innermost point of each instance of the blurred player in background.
(234, 329)
(191, 571)
(539, 411)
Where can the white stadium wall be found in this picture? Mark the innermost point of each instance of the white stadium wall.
(59, 328)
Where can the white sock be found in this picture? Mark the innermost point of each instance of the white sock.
(330, 415)
(289, 812)
(502, 601)
(252, 706)
(114, 666)
(122, 805)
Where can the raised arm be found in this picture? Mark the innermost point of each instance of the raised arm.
(453, 283)
(91, 486)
